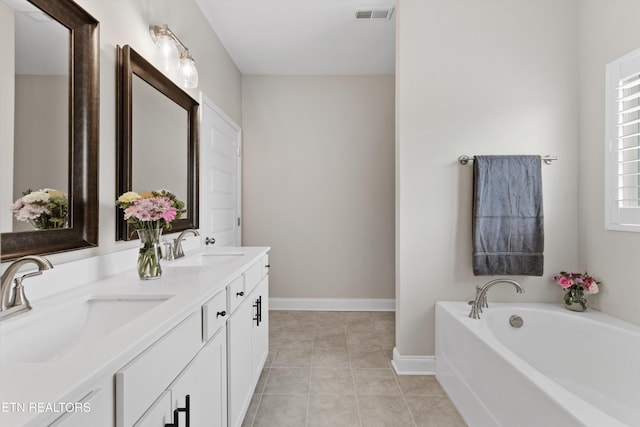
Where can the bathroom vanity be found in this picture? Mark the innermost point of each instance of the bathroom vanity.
(124, 352)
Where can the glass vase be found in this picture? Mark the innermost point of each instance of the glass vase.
(575, 300)
(150, 254)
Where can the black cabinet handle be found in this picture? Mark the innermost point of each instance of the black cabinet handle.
(258, 307)
(239, 294)
(221, 313)
(256, 317)
(187, 409)
(209, 241)
(176, 414)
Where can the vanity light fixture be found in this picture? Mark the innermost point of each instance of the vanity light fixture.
(173, 50)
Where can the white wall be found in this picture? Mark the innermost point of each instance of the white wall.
(127, 22)
(608, 30)
(478, 77)
(318, 183)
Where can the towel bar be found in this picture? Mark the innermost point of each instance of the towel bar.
(464, 159)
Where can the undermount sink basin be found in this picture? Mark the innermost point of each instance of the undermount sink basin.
(205, 259)
(53, 333)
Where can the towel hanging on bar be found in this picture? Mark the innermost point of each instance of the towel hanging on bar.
(508, 229)
(548, 160)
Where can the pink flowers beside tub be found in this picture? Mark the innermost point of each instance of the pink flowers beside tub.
(575, 286)
(577, 281)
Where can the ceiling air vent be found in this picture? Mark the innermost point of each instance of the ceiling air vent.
(374, 14)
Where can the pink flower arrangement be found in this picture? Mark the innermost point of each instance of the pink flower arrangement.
(575, 286)
(152, 209)
(577, 281)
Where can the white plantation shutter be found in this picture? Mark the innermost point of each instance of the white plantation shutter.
(622, 167)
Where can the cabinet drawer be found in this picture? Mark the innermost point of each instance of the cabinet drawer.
(264, 262)
(140, 382)
(236, 293)
(253, 275)
(214, 314)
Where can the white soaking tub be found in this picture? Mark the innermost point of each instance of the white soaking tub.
(559, 369)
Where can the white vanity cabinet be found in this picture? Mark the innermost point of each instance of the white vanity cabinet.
(208, 339)
(219, 377)
(143, 379)
(204, 381)
(248, 340)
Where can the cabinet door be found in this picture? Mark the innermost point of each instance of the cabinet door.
(239, 362)
(159, 414)
(143, 379)
(204, 380)
(260, 328)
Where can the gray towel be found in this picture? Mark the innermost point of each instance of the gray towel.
(508, 231)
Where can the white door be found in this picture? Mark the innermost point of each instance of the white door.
(220, 197)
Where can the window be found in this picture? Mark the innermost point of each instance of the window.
(622, 153)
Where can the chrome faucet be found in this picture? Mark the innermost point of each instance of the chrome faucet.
(481, 295)
(178, 252)
(16, 301)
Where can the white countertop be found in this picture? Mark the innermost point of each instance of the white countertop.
(60, 380)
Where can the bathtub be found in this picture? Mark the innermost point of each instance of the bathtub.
(559, 369)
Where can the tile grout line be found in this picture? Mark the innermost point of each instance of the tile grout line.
(404, 398)
(313, 346)
(355, 389)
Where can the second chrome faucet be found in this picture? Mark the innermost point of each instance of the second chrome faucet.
(178, 252)
(481, 295)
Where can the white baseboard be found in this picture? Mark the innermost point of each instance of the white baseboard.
(413, 365)
(333, 304)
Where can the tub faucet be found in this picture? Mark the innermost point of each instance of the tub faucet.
(481, 296)
(178, 252)
(16, 301)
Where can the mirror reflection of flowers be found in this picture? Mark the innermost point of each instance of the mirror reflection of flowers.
(151, 209)
(44, 209)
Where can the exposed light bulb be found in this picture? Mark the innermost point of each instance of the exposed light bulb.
(167, 46)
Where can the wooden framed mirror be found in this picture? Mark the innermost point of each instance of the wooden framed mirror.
(74, 166)
(157, 138)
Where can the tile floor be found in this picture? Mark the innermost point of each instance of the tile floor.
(333, 369)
